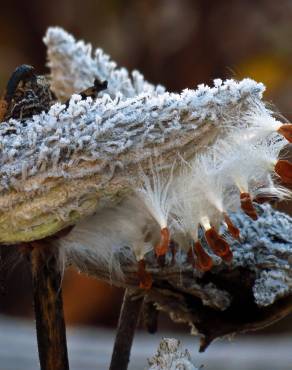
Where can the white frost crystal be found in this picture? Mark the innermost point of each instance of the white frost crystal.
(73, 68)
(104, 129)
(171, 356)
(271, 285)
(266, 249)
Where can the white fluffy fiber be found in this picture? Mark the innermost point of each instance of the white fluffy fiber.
(123, 233)
(155, 194)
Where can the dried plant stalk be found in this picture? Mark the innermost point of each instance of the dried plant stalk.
(48, 305)
(129, 317)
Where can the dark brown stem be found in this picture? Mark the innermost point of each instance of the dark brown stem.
(150, 316)
(128, 320)
(48, 306)
(2, 274)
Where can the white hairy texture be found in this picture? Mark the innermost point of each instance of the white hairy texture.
(155, 194)
(201, 189)
(171, 356)
(196, 197)
(185, 219)
(270, 189)
(267, 152)
(266, 249)
(206, 179)
(247, 164)
(260, 122)
(123, 233)
(74, 68)
(185, 212)
(271, 285)
(103, 130)
(209, 185)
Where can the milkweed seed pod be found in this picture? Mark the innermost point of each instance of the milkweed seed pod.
(140, 168)
(73, 68)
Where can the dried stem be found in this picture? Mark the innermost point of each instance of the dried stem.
(128, 320)
(150, 317)
(48, 306)
(200, 302)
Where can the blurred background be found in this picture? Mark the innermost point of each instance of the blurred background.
(178, 43)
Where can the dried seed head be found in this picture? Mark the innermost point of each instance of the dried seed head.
(247, 206)
(233, 230)
(144, 276)
(283, 168)
(203, 260)
(162, 248)
(218, 244)
(286, 131)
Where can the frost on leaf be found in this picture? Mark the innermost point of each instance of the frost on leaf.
(171, 356)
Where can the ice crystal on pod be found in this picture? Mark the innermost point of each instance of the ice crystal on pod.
(266, 249)
(171, 356)
(110, 127)
(73, 68)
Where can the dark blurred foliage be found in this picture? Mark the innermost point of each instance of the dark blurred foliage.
(178, 43)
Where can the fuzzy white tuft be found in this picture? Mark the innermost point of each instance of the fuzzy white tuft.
(207, 182)
(197, 196)
(246, 164)
(260, 119)
(184, 220)
(209, 186)
(155, 193)
(123, 233)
